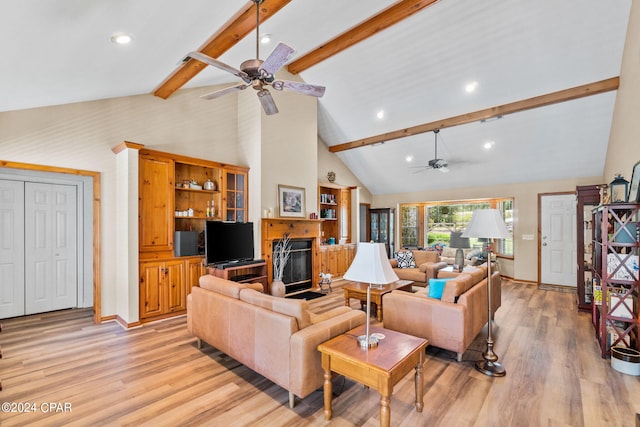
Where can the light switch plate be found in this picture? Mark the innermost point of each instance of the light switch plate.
(527, 237)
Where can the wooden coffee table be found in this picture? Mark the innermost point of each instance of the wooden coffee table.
(359, 290)
(380, 368)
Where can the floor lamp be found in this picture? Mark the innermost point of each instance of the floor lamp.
(488, 223)
(371, 266)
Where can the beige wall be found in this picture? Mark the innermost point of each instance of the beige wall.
(328, 161)
(524, 266)
(624, 142)
(289, 153)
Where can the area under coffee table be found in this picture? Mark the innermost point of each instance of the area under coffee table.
(359, 290)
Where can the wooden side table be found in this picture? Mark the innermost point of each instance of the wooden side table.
(380, 368)
(359, 290)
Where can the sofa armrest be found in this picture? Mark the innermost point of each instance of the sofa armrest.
(444, 324)
(431, 269)
(393, 262)
(305, 372)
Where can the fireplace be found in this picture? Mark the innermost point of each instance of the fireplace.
(303, 268)
(298, 273)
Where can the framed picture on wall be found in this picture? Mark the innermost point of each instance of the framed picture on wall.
(290, 201)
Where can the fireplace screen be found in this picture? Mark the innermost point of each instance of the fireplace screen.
(297, 274)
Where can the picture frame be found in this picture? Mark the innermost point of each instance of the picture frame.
(634, 187)
(291, 201)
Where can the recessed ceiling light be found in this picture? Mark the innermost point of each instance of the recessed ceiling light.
(488, 145)
(265, 38)
(380, 114)
(471, 87)
(409, 158)
(121, 38)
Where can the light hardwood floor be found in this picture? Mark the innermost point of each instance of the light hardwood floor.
(154, 375)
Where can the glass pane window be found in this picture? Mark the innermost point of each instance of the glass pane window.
(409, 226)
(442, 218)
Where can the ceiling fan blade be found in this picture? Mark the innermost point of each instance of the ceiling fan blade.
(268, 104)
(277, 58)
(303, 88)
(221, 92)
(219, 64)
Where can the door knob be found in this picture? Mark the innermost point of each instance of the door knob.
(544, 244)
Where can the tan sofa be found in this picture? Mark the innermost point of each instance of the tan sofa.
(427, 265)
(275, 337)
(451, 323)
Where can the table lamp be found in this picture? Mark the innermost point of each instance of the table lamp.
(371, 266)
(460, 243)
(488, 223)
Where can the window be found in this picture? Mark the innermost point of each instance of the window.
(409, 226)
(430, 224)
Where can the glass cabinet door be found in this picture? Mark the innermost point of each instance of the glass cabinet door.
(236, 194)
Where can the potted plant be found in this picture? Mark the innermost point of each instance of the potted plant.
(281, 252)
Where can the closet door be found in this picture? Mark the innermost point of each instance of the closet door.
(11, 248)
(51, 272)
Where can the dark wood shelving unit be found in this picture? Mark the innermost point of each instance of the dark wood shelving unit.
(587, 196)
(616, 249)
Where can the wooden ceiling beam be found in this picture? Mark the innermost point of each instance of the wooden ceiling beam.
(386, 18)
(501, 110)
(234, 30)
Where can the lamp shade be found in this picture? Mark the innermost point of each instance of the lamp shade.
(457, 241)
(487, 223)
(371, 265)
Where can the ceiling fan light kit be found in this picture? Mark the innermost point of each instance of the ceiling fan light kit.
(260, 74)
(435, 163)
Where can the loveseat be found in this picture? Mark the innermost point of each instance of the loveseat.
(451, 322)
(426, 266)
(275, 337)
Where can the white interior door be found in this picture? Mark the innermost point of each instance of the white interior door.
(558, 240)
(50, 247)
(11, 248)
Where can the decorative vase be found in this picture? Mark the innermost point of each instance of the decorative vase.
(277, 288)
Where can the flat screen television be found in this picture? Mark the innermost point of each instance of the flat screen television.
(226, 242)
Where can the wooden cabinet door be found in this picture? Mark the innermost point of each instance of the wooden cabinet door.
(151, 288)
(324, 260)
(156, 212)
(342, 254)
(195, 269)
(175, 286)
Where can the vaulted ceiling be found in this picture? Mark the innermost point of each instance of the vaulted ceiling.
(58, 51)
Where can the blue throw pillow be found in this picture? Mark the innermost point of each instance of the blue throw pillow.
(436, 287)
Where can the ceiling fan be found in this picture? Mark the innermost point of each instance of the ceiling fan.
(435, 163)
(259, 74)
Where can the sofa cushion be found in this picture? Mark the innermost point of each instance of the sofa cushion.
(405, 259)
(422, 257)
(436, 287)
(221, 286)
(461, 284)
(290, 307)
(448, 252)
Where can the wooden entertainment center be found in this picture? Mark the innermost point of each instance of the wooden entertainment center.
(245, 273)
(173, 197)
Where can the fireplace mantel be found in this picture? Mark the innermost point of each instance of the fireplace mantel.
(275, 228)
